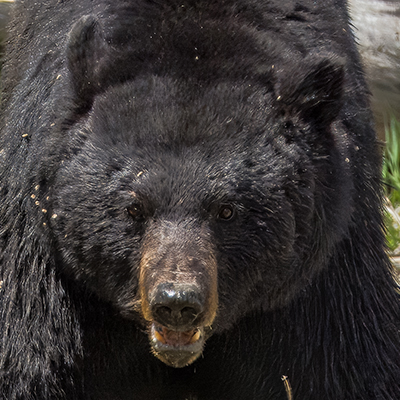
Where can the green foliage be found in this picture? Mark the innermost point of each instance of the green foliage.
(391, 165)
(392, 228)
(391, 178)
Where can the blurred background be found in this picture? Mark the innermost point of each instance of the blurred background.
(4, 14)
(377, 29)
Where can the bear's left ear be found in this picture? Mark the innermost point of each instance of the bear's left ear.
(87, 55)
(318, 97)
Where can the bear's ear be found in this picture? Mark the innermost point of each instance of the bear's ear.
(318, 97)
(87, 53)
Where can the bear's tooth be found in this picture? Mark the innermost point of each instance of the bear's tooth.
(159, 337)
(195, 337)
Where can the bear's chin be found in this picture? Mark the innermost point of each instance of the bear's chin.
(174, 348)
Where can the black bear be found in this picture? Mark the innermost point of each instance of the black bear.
(191, 205)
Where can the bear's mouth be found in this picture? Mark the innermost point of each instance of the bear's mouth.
(176, 348)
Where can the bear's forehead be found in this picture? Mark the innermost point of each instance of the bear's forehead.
(185, 179)
(151, 111)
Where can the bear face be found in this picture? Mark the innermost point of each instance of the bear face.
(191, 178)
(144, 219)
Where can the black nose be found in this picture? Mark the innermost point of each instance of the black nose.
(177, 306)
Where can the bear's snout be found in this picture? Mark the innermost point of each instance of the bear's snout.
(178, 290)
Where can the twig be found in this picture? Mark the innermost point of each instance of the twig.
(288, 388)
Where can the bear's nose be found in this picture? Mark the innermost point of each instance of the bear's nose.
(177, 306)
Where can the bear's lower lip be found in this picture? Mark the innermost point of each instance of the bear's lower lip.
(176, 349)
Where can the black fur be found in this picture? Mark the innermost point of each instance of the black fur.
(177, 109)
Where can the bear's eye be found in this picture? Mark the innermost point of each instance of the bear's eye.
(135, 211)
(226, 212)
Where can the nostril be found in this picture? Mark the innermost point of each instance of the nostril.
(162, 313)
(189, 313)
(175, 316)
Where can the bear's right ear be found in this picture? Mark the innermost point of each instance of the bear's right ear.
(87, 54)
(318, 98)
